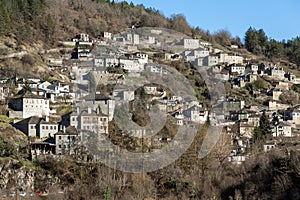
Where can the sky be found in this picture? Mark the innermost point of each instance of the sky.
(280, 19)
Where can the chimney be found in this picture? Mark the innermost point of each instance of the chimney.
(64, 129)
(52, 98)
(47, 118)
(89, 110)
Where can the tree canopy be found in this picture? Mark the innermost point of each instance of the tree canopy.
(257, 42)
(263, 131)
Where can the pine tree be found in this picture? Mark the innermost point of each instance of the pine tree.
(264, 131)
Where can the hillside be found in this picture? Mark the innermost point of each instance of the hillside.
(30, 34)
(33, 26)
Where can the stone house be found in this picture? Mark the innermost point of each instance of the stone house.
(82, 37)
(106, 35)
(293, 115)
(233, 105)
(268, 146)
(150, 89)
(133, 39)
(89, 120)
(67, 141)
(142, 57)
(190, 43)
(156, 69)
(37, 127)
(196, 53)
(282, 85)
(276, 93)
(196, 114)
(277, 73)
(47, 128)
(237, 69)
(210, 60)
(29, 105)
(131, 65)
(282, 129)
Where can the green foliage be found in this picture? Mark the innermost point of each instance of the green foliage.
(107, 193)
(264, 131)
(275, 49)
(5, 119)
(21, 17)
(257, 42)
(259, 84)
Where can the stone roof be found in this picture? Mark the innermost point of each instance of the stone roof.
(29, 120)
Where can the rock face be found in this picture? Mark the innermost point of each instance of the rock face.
(16, 172)
(15, 176)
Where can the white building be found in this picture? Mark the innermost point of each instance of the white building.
(283, 129)
(89, 120)
(150, 89)
(197, 53)
(35, 106)
(156, 69)
(99, 62)
(179, 118)
(237, 69)
(211, 60)
(132, 65)
(190, 43)
(151, 40)
(37, 127)
(66, 142)
(196, 114)
(133, 38)
(277, 73)
(47, 128)
(83, 37)
(107, 35)
(29, 105)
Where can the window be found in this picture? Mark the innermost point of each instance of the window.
(59, 146)
(51, 127)
(43, 127)
(59, 137)
(47, 127)
(54, 127)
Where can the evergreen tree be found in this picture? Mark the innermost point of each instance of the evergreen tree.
(264, 131)
(251, 40)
